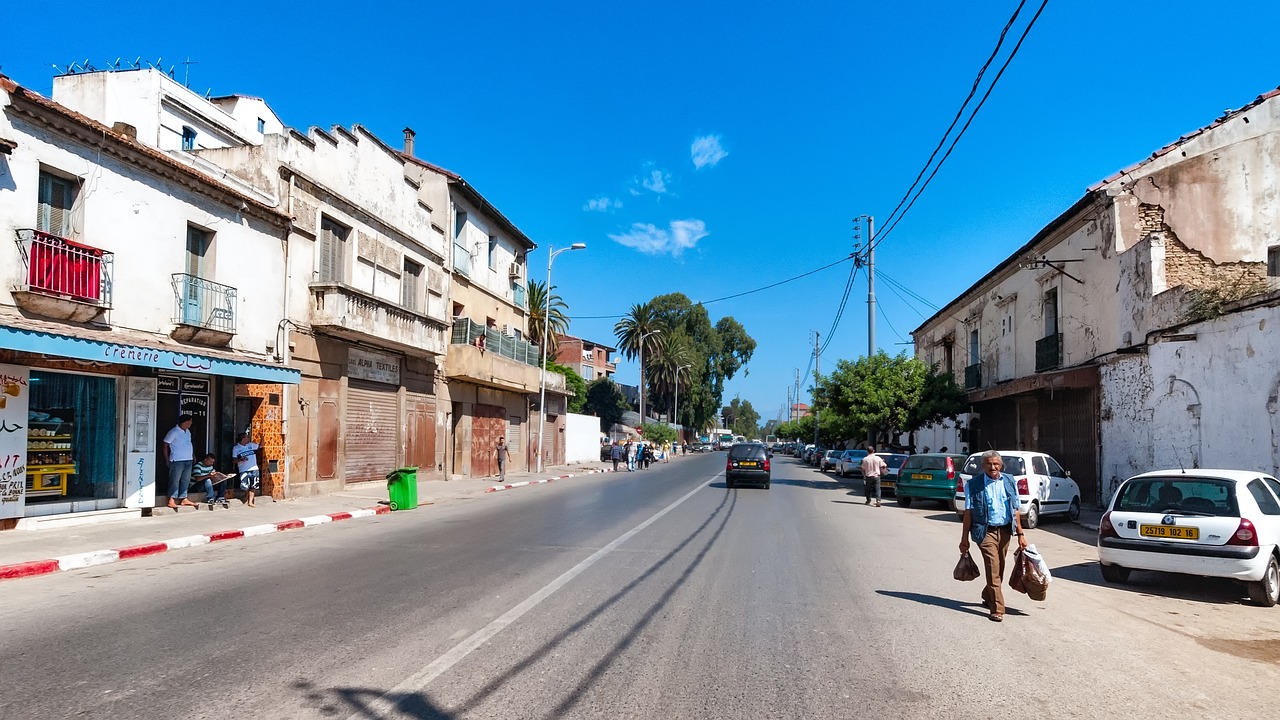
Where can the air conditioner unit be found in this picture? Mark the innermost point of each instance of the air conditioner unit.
(514, 271)
(509, 330)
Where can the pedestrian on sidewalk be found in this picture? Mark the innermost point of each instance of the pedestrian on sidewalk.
(245, 453)
(616, 454)
(873, 468)
(666, 452)
(631, 455)
(214, 482)
(503, 453)
(179, 456)
(990, 519)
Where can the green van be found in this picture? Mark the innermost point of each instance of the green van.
(930, 476)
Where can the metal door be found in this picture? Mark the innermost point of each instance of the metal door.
(420, 432)
(372, 431)
(487, 425)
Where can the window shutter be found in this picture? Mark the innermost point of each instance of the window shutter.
(56, 198)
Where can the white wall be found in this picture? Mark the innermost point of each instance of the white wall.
(582, 438)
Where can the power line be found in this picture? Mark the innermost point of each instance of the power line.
(1012, 54)
(735, 295)
(898, 289)
(891, 327)
(844, 301)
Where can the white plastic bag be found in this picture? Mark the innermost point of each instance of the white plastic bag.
(1034, 556)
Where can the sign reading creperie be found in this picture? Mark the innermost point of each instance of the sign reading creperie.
(375, 366)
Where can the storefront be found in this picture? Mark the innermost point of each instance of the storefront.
(372, 438)
(81, 421)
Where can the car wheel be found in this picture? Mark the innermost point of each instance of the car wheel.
(1266, 592)
(1032, 517)
(1116, 574)
(1073, 510)
(903, 501)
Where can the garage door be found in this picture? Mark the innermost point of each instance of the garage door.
(372, 431)
(487, 425)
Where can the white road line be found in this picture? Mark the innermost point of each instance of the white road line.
(384, 705)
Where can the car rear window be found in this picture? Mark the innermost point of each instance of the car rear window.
(893, 461)
(1012, 465)
(925, 462)
(739, 452)
(1209, 496)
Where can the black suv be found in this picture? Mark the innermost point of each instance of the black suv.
(747, 463)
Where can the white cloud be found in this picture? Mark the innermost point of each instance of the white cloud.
(706, 151)
(602, 204)
(655, 182)
(652, 240)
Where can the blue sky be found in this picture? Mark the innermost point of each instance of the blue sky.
(710, 148)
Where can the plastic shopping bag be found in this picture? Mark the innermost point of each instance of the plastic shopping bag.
(966, 569)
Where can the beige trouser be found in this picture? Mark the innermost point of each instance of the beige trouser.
(994, 547)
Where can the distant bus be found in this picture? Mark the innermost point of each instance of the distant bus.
(723, 438)
(770, 439)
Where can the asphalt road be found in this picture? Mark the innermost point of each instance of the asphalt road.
(656, 594)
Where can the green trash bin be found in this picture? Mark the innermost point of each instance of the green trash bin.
(402, 488)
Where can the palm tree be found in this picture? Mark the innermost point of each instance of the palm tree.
(637, 334)
(664, 367)
(540, 330)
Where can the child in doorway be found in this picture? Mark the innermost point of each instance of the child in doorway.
(245, 454)
(215, 487)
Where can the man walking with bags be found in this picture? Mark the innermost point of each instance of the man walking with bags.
(873, 468)
(990, 520)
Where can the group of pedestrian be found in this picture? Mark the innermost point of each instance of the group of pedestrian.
(184, 471)
(638, 455)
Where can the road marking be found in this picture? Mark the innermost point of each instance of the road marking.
(384, 705)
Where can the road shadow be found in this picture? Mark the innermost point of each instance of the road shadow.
(969, 608)
(1065, 528)
(369, 703)
(811, 484)
(1211, 591)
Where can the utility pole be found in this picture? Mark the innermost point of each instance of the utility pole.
(871, 286)
(795, 410)
(817, 372)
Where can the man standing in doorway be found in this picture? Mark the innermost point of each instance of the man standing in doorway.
(990, 519)
(873, 468)
(503, 452)
(179, 455)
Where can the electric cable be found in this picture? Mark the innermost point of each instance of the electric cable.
(891, 327)
(844, 302)
(898, 289)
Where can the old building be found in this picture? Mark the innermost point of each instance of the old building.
(590, 359)
(125, 300)
(1099, 340)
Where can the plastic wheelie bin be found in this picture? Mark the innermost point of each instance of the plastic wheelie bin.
(402, 488)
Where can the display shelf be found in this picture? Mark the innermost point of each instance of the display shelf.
(50, 469)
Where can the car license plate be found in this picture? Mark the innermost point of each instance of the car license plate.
(749, 463)
(920, 476)
(1181, 532)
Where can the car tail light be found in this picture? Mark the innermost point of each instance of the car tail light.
(1022, 487)
(960, 484)
(728, 464)
(951, 469)
(1244, 535)
(1105, 528)
(766, 464)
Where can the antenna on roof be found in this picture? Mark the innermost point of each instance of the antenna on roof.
(208, 93)
(137, 63)
(186, 71)
(116, 64)
(87, 66)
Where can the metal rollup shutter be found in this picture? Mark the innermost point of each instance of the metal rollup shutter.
(372, 431)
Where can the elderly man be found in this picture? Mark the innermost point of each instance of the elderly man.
(990, 520)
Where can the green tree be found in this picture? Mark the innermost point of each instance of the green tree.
(940, 399)
(659, 433)
(574, 382)
(664, 371)
(540, 330)
(872, 394)
(742, 419)
(605, 400)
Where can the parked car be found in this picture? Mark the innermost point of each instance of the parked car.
(1044, 488)
(928, 476)
(747, 463)
(889, 481)
(1214, 523)
(850, 463)
(829, 459)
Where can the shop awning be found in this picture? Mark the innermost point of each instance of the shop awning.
(127, 347)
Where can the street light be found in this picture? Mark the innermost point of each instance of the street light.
(546, 336)
(642, 339)
(675, 415)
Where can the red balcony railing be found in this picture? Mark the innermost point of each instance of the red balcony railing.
(59, 266)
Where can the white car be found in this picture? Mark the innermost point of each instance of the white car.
(1212, 523)
(1044, 488)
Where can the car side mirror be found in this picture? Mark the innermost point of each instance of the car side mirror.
(1067, 473)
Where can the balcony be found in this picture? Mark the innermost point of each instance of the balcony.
(517, 294)
(343, 311)
(1049, 352)
(203, 311)
(973, 376)
(65, 280)
(461, 260)
(487, 357)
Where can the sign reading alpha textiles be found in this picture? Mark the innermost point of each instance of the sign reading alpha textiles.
(375, 366)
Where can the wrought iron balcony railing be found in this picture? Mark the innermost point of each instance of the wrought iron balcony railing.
(1049, 352)
(466, 332)
(973, 376)
(203, 303)
(62, 267)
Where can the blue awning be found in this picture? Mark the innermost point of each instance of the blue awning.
(144, 351)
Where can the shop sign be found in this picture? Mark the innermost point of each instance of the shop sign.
(375, 366)
(15, 401)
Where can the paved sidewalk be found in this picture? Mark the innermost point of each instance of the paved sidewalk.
(24, 553)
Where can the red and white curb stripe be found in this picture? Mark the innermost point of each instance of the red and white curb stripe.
(102, 557)
(496, 488)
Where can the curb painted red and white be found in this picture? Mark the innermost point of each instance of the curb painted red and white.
(509, 486)
(102, 557)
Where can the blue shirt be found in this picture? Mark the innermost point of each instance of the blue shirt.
(990, 502)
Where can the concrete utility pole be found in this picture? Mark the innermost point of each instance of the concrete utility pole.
(871, 286)
(817, 372)
(795, 410)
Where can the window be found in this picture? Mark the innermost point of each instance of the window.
(1055, 470)
(947, 362)
(188, 138)
(1037, 464)
(459, 222)
(262, 125)
(1266, 503)
(1273, 261)
(57, 197)
(1050, 309)
(493, 252)
(198, 242)
(333, 240)
(973, 347)
(409, 284)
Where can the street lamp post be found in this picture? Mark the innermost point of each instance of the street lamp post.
(642, 339)
(546, 336)
(675, 415)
